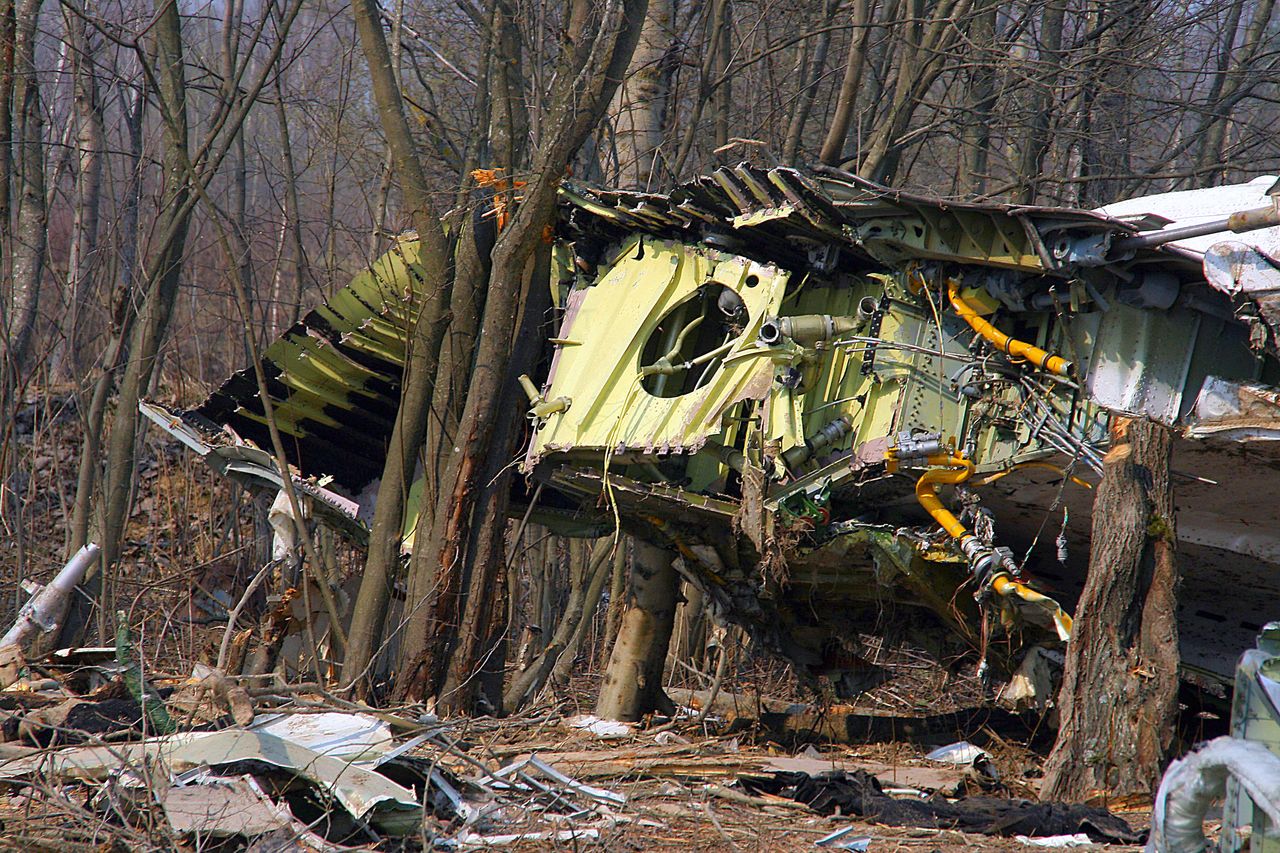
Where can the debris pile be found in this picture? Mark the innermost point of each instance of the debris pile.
(327, 778)
(317, 772)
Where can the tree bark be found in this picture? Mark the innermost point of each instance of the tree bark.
(597, 48)
(1234, 69)
(640, 105)
(435, 259)
(921, 60)
(1049, 65)
(722, 95)
(838, 133)
(90, 135)
(152, 322)
(810, 69)
(1119, 693)
(8, 35)
(121, 324)
(633, 680)
(30, 235)
(976, 155)
(1107, 103)
(586, 584)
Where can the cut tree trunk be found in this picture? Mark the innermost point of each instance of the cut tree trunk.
(1119, 691)
(633, 681)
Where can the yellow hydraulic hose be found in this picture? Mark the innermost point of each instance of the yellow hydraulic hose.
(991, 478)
(1006, 586)
(951, 468)
(1001, 341)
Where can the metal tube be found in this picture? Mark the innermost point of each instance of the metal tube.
(1238, 223)
(47, 607)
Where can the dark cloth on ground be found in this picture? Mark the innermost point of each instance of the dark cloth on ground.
(858, 794)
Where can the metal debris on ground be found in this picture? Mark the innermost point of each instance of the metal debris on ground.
(961, 752)
(314, 770)
(601, 728)
(331, 777)
(844, 839)
(1077, 839)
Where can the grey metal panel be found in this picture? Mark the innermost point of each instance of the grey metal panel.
(1140, 361)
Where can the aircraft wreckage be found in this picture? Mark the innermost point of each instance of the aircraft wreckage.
(851, 410)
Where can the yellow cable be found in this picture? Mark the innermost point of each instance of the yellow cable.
(1014, 348)
(1006, 586)
(952, 469)
(991, 478)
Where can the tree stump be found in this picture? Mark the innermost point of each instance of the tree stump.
(1119, 692)
(633, 680)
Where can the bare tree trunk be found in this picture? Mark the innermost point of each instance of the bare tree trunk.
(153, 319)
(90, 134)
(435, 254)
(810, 75)
(595, 588)
(232, 17)
(689, 636)
(617, 601)
(1234, 65)
(473, 679)
(922, 56)
(976, 153)
(586, 583)
(1119, 693)
(121, 325)
(838, 133)
(291, 209)
(633, 681)
(29, 238)
(722, 96)
(598, 46)
(384, 185)
(8, 35)
(640, 105)
(706, 85)
(1048, 63)
(1107, 142)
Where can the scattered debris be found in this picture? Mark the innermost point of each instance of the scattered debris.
(961, 752)
(1078, 839)
(356, 737)
(523, 775)
(471, 839)
(981, 768)
(601, 728)
(1032, 685)
(844, 839)
(220, 807)
(42, 613)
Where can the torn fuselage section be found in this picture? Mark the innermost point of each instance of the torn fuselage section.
(830, 399)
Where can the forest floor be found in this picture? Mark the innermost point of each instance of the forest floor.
(684, 798)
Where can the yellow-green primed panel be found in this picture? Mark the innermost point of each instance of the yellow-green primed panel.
(601, 374)
(369, 314)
